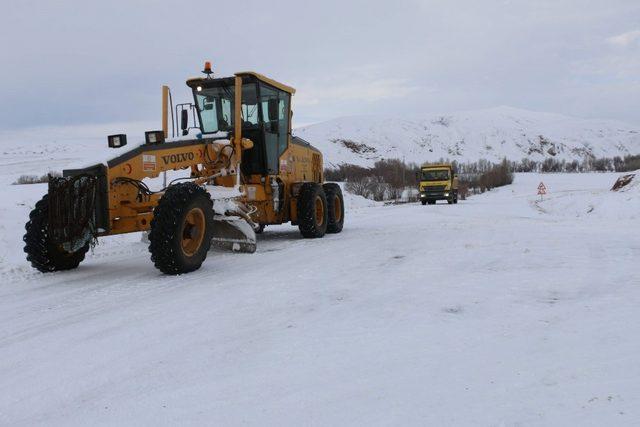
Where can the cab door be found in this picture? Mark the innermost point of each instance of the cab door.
(274, 105)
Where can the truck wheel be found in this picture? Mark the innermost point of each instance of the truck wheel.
(180, 234)
(312, 210)
(424, 202)
(335, 207)
(450, 200)
(42, 253)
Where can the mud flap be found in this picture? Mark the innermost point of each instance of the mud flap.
(233, 233)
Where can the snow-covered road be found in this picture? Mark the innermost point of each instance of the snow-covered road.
(500, 310)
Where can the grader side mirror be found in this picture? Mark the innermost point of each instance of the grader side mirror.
(273, 109)
(184, 120)
(273, 115)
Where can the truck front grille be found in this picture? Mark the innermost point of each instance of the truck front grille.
(435, 189)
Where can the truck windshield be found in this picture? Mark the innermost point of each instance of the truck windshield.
(435, 175)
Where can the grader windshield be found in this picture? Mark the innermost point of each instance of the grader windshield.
(215, 106)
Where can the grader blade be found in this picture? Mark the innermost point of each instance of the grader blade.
(233, 233)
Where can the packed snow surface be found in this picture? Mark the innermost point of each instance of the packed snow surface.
(501, 310)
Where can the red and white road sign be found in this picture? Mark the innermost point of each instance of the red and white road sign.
(542, 189)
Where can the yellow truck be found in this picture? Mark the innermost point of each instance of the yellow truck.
(438, 182)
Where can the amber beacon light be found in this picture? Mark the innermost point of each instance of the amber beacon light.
(207, 68)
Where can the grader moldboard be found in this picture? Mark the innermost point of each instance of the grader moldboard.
(243, 148)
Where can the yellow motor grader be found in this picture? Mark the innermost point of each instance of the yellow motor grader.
(242, 170)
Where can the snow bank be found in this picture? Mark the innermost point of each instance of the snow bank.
(356, 202)
(594, 202)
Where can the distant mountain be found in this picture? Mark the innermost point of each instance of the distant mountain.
(469, 136)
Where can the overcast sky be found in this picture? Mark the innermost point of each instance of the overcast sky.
(72, 62)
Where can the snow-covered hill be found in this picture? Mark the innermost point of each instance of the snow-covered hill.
(469, 136)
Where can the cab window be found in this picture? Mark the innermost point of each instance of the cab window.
(274, 105)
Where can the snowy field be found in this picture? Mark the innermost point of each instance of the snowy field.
(501, 310)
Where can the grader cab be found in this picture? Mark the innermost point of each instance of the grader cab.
(242, 170)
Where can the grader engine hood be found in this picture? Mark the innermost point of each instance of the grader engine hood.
(149, 160)
(119, 201)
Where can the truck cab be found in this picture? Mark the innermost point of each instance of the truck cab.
(438, 182)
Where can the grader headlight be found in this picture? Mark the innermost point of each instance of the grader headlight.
(154, 137)
(117, 141)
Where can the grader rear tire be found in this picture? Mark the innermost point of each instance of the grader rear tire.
(180, 235)
(335, 207)
(312, 210)
(42, 253)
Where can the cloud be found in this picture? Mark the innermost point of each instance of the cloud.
(73, 61)
(625, 39)
(618, 65)
(363, 89)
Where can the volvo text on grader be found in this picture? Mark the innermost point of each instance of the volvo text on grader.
(245, 168)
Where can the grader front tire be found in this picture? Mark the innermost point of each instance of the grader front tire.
(312, 211)
(42, 253)
(180, 235)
